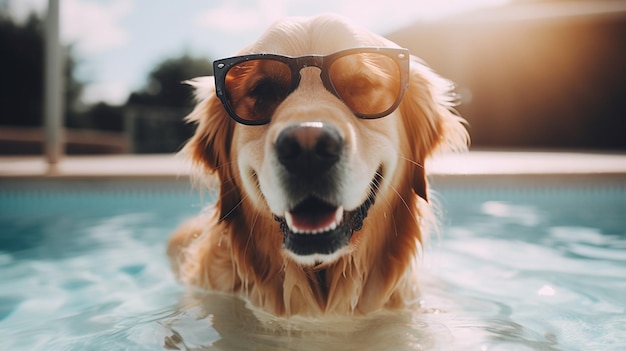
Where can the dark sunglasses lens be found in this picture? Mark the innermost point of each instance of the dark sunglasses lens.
(255, 88)
(369, 83)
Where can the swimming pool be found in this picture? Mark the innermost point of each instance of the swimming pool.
(532, 263)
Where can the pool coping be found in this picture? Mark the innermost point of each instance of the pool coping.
(473, 164)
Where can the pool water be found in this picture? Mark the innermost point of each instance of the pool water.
(82, 267)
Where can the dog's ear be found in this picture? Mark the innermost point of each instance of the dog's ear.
(429, 120)
(209, 147)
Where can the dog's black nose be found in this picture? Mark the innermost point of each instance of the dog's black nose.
(310, 148)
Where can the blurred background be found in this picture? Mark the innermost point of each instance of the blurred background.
(532, 74)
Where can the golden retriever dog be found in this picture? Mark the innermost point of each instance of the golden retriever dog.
(317, 135)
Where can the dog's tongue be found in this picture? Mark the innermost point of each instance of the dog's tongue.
(313, 216)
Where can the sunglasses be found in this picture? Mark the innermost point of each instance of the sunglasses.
(369, 81)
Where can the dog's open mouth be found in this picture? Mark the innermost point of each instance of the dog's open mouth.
(316, 227)
(313, 216)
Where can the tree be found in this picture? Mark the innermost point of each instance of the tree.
(22, 83)
(165, 83)
(156, 111)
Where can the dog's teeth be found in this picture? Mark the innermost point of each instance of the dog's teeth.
(333, 226)
(289, 220)
(338, 217)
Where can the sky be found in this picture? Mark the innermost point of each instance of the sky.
(118, 42)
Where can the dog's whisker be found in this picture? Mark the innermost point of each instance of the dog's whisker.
(406, 205)
(415, 163)
(201, 179)
(224, 164)
(238, 204)
(376, 185)
(257, 214)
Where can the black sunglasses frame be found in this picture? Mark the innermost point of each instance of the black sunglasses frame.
(221, 67)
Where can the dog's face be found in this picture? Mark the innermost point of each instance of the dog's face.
(314, 161)
(317, 168)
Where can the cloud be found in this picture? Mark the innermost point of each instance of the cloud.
(248, 18)
(94, 27)
(240, 18)
(20, 10)
(112, 92)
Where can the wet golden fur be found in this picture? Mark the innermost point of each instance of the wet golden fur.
(237, 246)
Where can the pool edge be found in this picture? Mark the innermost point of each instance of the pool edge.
(473, 164)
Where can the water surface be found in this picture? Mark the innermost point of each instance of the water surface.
(83, 268)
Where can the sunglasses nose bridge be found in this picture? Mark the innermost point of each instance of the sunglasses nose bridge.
(303, 64)
(311, 61)
(308, 63)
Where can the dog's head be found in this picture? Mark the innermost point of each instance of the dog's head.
(315, 127)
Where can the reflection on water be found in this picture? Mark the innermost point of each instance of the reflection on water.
(240, 328)
(508, 273)
(235, 327)
(207, 321)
